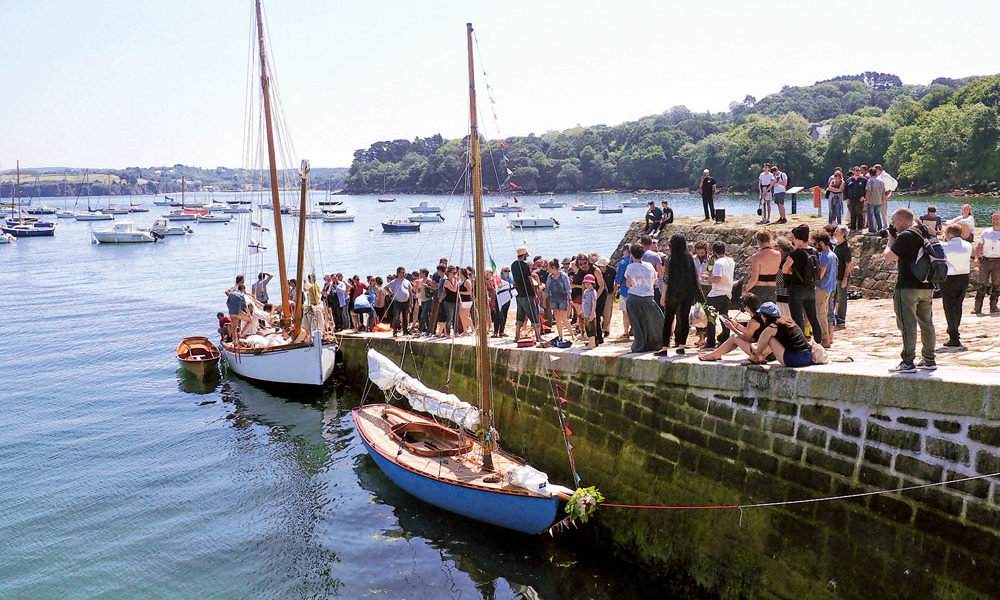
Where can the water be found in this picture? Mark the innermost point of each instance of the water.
(122, 477)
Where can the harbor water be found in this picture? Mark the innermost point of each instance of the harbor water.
(123, 477)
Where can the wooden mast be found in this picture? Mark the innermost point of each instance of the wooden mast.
(482, 340)
(275, 202)
(299, 284)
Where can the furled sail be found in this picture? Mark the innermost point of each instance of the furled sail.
(385, 374)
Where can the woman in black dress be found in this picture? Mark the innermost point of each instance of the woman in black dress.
(679, 294)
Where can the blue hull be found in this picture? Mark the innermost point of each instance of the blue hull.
(387, 228)
(526, 514)
(33, 232)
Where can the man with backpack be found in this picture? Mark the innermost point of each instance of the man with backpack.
(802, 274)
(912, 296)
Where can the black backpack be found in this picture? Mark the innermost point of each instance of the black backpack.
(930, 266)
(809, 276)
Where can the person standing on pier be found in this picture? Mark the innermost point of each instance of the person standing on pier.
(719, 296)
(708, 191)
(958, 253)
(643, 313)
(874, 197)
(844, 263)
(988, 254)
(967, 222)
(525, 299)
(764, 265)
(400, 288)
(778, 187)
(912, 297)
(803, 273)
(854, 191)
(681, 291)
(764, 190)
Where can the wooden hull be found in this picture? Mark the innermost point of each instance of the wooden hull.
(454, 483)
(301, 365)
(199, 356)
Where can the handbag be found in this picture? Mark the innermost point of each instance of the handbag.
(819, 355)
(697, 317)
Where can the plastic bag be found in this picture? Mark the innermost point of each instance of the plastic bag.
(698, 317)
(820, 356)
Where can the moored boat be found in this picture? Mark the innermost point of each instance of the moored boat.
(210, 218)
(94, 216)
(398, 225)
(486, 213)
(507, 207)
(609, 211)
(337, 218)
(6, 238)
(199, 355)
(386, 199)
(583, 206)
(426, 218)
(164, 227)
(533, 222)
(633, 202)
(424, 207)
(124, 232)
(551, 203)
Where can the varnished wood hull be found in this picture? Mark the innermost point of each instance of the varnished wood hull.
(199, 356)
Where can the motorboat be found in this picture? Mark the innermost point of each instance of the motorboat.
(181, 215)
(533, 222)
(136, 208)
(210, 218)
(94, 216)
(398, 226)
(423, 207)
(163, 227)
(124, 232)
(337, 218)
(386, 199)
(199, 355)
(65, 214)
(551, 203)
(583, 206)
(610, 211)
(486, 213)
(334, 211)
(634, 202)
(425, 218)
(507, 207)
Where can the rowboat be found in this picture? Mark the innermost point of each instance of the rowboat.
(199, 356)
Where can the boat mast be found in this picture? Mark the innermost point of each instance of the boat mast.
(20, 216)
(482, 345)
(275, 202)
(299, 284)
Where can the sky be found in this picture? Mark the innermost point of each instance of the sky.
(119, 83)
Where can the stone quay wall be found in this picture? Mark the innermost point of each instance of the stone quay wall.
(869, 275)
(651, 431)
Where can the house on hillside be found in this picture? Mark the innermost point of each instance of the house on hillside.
(819, 132)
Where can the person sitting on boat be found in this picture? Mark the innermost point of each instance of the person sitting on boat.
(224, 326)
(237, 305)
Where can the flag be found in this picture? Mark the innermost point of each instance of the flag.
(509, 172)
(493, 264)
(502, 145)
(255, 247)
(515, 186)
(562, 400)
(568, 432)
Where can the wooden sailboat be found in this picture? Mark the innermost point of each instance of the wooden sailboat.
(303, 363)
(448, 467)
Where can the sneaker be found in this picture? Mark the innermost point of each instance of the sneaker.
(780, 221)
(927, 364)
(904, 367)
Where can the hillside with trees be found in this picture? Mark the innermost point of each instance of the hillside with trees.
(60, 181)
(942, 136)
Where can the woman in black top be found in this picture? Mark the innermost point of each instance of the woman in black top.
(779, 338)
(680, 292)
(584, 268)
(465, 291)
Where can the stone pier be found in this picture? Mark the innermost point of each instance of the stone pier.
(676, 432)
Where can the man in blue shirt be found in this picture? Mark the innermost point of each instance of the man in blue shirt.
(826, 286)
(623, 264)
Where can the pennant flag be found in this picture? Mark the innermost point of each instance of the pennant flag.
(559, 389)
(509, 172)
(257, 225)
(515, 186)
(562, 400)
(577, 475)
(556, 375)
(568, 431)
(503, 157)
(502, 145)
(493, 264)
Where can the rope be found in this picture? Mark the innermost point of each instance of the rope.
(803, 501)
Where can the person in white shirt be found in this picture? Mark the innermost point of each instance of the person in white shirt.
(400, 288)
(721, 279)
(890, 186)
(968, 223)
(988, 254)
(778, 187)
(958, 253)
(764, 188)
(644, 315)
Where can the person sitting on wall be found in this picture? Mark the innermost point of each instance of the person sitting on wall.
(653, 216)
(780, 337)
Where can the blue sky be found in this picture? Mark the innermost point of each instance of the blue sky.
(140, 83)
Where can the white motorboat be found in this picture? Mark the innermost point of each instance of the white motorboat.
(337, 218)
(583, 206)
(124, 232)
(163, 227)
(65, 214)
(507, 207)
(180, 215)
(486, 213)
(232, 209)
(533, 222)
(634, 202)
(551, 203)
(210, 218)
(426, 218)
(93, 216)
(423, 207)
(135, 208)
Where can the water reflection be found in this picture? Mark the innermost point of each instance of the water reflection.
(189, 383)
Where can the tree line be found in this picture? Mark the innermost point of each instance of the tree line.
(941, 136)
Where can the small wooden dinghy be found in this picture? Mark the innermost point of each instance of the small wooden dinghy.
(198, 355)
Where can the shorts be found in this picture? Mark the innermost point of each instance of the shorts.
(467, 304)
(764, 293)
(779, 198)
(798, 359)
(526, 308)
(590, 327)
(558, 303)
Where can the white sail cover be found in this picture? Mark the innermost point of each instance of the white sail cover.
(385, 374)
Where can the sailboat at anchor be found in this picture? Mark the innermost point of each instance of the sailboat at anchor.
(459, 469)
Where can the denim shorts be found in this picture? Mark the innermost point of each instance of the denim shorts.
(799, 359)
